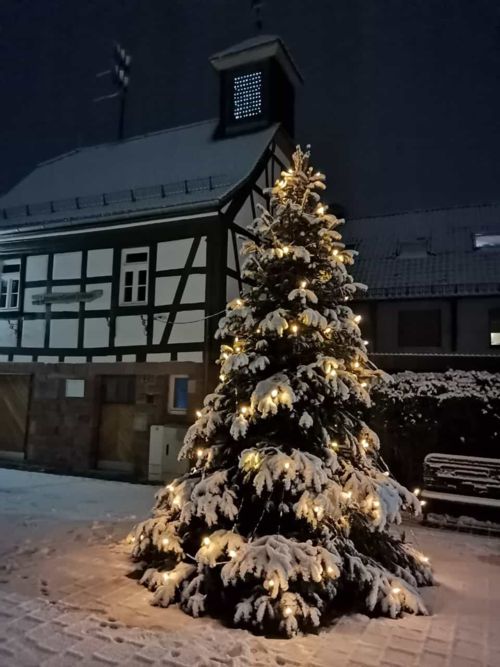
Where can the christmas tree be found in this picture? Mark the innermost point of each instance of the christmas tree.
(284, 519)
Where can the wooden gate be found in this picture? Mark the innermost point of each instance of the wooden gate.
(116, 426)
(14, 405)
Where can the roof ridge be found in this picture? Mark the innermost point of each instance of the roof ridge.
(117, 142)
(426, 210)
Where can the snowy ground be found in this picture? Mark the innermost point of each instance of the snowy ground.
(65, 599)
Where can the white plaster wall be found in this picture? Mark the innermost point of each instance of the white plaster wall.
(194, 292)
(33, 333)
(36, 267)
(188, 333)
(26, 358)
(104, 301)
(158, 356)
(245, 216)
(47, 360)
(172, 254)
(96, 332)
(67, 265)
(190, 356)
(200, 258)
(29, 292)
(63, 333)
(232, 288)
(165, 290)
(104, 359)
(75, 360)
(4, 357)
(65, 307)
(159, 327)
(100, 262)
(7, 335)
(129, 357)
(130, 330)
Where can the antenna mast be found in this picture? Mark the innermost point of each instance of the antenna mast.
(120, 78)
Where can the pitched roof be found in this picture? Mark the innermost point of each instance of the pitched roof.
(426, 253)
(182, 169)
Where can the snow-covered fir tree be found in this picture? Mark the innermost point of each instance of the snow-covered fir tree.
(284, 518)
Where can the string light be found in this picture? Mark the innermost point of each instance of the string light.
(327, 330)
(334, 444)
(303, 284)
(165, 541)
(366, 342)
(274, 393)
(386, 473)
(177, 501)
(287, 465)
(364, 384)
(355, 364)
(423, 503)
(357, 319)
(294, 328)
(287, 611)
(232, 553)
(239, 303)
(198, 413)
(244, 409)
(376, 503)
(335, 251)
(222, 377)
(170, 487)
(365, 443)
(416, 491)
(290, 170)
(199, 453)
(141, 537)
(285, 250)
(320, 210)
(206, 541)
(396, 590)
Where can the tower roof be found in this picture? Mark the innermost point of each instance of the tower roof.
(256, 49)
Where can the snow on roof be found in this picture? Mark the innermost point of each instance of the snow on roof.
(445, 262)
(182, 168)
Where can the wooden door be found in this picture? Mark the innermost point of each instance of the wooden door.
(14, 404)
(116, 427)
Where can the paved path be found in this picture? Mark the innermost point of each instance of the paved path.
(66, 599)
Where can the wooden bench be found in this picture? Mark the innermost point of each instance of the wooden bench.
(461, 480)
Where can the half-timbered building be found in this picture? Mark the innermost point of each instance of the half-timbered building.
(116, 261)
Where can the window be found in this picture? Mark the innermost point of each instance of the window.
(485, 241)
(134, 276)
(9, 285)
(413, 249)
(178, 394)
(419, 328)
(75, 388)
(247, 95)
(495, 327)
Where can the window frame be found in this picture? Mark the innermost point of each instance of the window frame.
(134, 268)
(479, 235)
(171, 394)
(9, 278)
(493, 314)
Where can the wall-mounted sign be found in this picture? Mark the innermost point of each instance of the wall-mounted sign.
(65, 297)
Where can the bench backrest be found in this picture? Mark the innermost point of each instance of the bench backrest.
(466, 475)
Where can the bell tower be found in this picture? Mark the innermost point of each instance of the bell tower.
(257, 86)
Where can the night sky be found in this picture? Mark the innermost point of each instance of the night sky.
(401, 101)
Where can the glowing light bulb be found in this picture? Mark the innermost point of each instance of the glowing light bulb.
(366, 342)
(329, 569)
(206, 541)
(243, 409)
(165, 541)
(294, 328)
(365, 443)
(141, 537)
(257, 331)
(232, 553)
(303, 284)
(170, 487)
(286, 250)
(424, 559)
(355, 364)
(335, 251)
(199, 453)
(239, 302)
(320, 210)
(376, 503)
(198, 413)
(341, 258)
(364, 385)
(327, 330)
(287, 466)
(287, 611)
(334, 444)
(222, 377)
(236, 339)
(357, 319)
(416, 491)
(346, 298)
(290, 170)
(386, 473)
(318, 509)
(396, 590)
(274, 393)
(423, 503)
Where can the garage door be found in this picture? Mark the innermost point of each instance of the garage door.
(14, 403)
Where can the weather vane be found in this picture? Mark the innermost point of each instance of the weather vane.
(257, 9)
(120, 77)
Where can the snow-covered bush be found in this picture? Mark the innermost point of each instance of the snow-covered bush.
(456, 411)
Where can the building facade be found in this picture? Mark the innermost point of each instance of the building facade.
(433, 301)
(116, 263)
